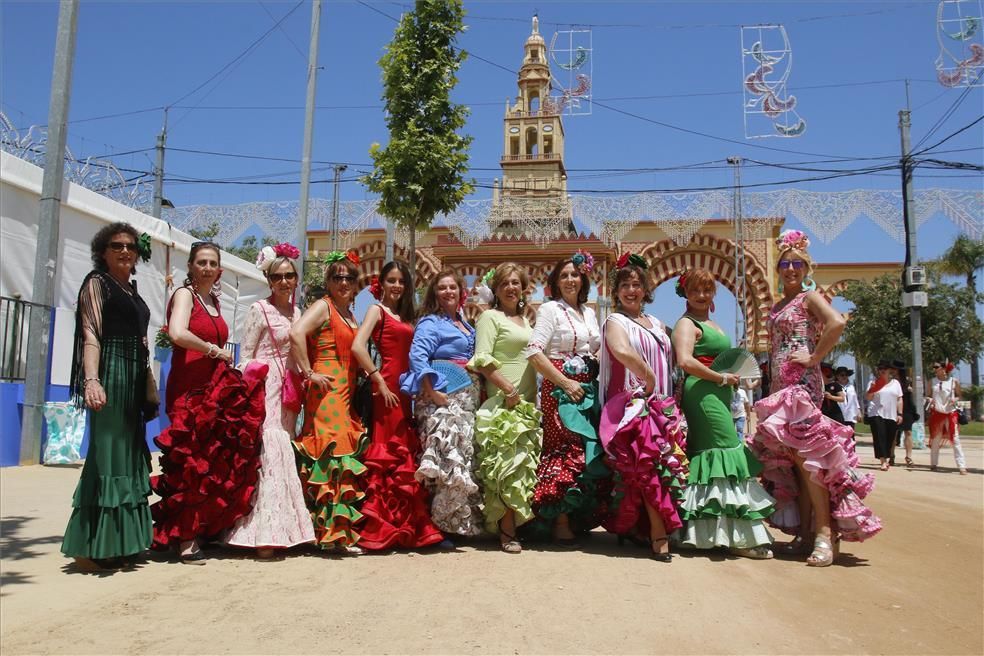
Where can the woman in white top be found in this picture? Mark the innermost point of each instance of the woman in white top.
(850, 407)
(885, 394)
(943, 425)
(573, 483)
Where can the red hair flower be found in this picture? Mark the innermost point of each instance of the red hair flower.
(287, 250)
(375, 288)
(353, 256)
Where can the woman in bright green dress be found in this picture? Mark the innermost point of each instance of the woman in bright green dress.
(724, 504)
(507, 426)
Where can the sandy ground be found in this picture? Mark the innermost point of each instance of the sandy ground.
(915, 589)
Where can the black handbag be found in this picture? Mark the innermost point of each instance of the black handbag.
(963, 417)
(362, 399)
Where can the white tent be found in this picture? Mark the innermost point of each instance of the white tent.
(83, 212)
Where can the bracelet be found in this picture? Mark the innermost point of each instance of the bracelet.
(724, 380)
(513, 394)
(370, 373)
(306, 375)
(213, 351)
(89, 380)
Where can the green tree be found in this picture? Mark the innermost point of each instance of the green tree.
(420, 172)
(879, 326)
(209, 233)
(250, 247)
(965, 258)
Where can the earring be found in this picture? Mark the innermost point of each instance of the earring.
(809, 285)
(521, 304)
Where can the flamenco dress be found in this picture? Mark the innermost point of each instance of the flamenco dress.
(643, 437)
(396, 507)
(790, 421)
(332, 440)
(572, 477)
(279, 517)
(724, 505)
(110, 512)
(210, 454)
(508, 439)
(447, 463)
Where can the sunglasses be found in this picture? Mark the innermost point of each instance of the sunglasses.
(936, 366)
(338, 278)
(792, 264)
(198, 244)
(120, 246)
(277, 277)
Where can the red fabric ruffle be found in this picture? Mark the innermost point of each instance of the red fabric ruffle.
(210, 456)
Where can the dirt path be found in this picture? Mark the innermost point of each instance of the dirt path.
(915, 589)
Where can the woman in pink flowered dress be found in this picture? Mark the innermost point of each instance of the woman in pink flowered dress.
(800, 449)
(280, 518)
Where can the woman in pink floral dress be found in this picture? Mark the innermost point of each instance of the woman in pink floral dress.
(808, 459)
(280, 518)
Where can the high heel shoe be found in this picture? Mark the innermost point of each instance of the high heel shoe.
(824, 552)
(908, 462)
(656, 555)
(798, 546)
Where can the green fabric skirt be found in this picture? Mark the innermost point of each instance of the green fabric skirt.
(111, 515)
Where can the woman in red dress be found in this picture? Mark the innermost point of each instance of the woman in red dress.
(396, 509)
(210, 452)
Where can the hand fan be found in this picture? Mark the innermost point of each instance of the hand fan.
(456, 375)
(737, 361)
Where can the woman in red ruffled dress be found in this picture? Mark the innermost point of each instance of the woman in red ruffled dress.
(210, 452)
(808, 459)
(396, 507)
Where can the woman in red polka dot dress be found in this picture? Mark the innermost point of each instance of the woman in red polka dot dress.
(573, 483)
(333, 439)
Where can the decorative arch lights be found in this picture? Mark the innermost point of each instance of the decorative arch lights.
(960, 35)
(766, 62)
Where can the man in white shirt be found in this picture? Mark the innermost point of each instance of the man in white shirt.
(850, 407)
(740, 407)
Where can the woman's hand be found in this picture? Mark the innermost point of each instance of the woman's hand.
(389, 398)
(321, 382)
(803, 359)
(573, 390)
(650, 382)
(95, 395)
(224, 355)
(729, 380)
(513, 401)
(439, 399)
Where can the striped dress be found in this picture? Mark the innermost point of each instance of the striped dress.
(643, 437)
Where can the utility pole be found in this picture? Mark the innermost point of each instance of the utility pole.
(338, 169)
(740, 286)
(312, 87)
(913, 277)
(159, 170)
(390, 238)
(46, 256)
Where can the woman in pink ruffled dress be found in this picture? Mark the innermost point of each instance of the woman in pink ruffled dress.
(279, 518)
(808, 459)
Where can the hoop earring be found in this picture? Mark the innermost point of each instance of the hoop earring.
(521, 304)
(809, 284)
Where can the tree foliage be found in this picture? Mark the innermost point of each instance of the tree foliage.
(878, 328)
(421, 171)
(964, 258)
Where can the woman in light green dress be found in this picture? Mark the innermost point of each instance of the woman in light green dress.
(507, 426)
(724, 504)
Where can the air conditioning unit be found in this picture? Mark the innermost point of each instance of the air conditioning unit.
(915, 299)
(915, 276)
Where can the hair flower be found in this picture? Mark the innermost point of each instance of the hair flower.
(582, 261)
(681, 285)
(265, 258)
(375, 288)
(793, 239)
(143, 246)
(628, 258)
(289, 251)
(337, 256)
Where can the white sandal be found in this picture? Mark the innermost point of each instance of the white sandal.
(761, 552)
(824, 553)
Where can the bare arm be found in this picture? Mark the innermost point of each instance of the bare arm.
(546, 369)
(684, 338)
(182, 302)
(360, 350)
(833, 326)
(309, 322)
(617, 343)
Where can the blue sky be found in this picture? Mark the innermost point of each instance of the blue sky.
(673, 62)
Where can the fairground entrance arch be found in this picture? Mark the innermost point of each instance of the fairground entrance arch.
(712, 247)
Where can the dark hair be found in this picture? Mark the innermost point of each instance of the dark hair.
(623, 274)
(405, 307)
(430, 304)
(350, 269)
(554, 285)
(100, 242)
(193, 251)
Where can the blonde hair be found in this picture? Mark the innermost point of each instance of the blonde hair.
(502, 272)
(699, 279)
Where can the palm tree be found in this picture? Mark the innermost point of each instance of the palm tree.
(965, 257)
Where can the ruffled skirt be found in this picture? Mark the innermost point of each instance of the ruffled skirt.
(723, 505)
(447, 464)
(509, 451)
(789, 422)
(647, 448)
(210, 457)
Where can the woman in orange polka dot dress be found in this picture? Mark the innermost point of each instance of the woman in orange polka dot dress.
(333, 439)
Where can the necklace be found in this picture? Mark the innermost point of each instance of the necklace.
(129, 292)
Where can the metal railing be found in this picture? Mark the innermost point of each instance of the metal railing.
(530, 157)
(15, 320)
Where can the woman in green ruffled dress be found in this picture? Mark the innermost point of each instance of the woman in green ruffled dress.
(507, 426)
(110, 524)
(724, 505)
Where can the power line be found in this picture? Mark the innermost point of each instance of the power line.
(949, 112)
(952, 135)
